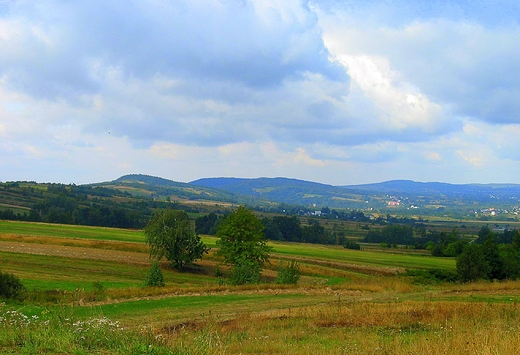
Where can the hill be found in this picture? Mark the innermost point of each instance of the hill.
(460, 190)
(133, 197)
(164, 189)
(403, 195)
(289, 191)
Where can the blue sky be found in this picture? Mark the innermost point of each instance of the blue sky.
(339, 92)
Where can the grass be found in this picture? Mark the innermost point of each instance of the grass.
(70, 231)
(59, 233)
(183, 308)
(57, 331)
(333, 328)
(45, 272)
(92, 301)
(360, 257)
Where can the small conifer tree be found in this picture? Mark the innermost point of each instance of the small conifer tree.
(155, 277)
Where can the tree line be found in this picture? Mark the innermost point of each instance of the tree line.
(282, 228)
(491, 256)
(83, 205)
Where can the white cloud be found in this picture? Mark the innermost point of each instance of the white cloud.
(468, 68)
(322, 90)
(400, 106)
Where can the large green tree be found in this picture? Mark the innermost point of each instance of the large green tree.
(493, 257)
(472, 264)
(169, 234)
(242, 243)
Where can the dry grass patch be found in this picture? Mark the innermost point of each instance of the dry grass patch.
(76, 242)
(359, 328)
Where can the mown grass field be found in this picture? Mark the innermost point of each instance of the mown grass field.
(84, 280)
(70, 231)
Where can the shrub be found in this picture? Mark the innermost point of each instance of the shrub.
(245, 273)
(218, 272)
(155, 277)
(431, 276)
(98, 291)
(352, 245)
(288, 274)
(11, 287)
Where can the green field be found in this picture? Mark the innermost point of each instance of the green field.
(70, 231)
(347, 301)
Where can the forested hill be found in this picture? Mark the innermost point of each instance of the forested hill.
(156, 187)
(256, 186)
(404, 192)
(289, 191)
(148, 180)
(129, 200)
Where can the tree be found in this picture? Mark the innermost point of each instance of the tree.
(510, 257)
(472, 264)
(242, 243)
(207, 224)
(169, 234)
(155, 277)
(492, 256)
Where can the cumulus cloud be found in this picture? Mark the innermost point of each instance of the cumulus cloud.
(323, 90)
(466, 67)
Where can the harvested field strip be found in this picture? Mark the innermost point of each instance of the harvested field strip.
(75, 242)
(362, 257)
(337, 254)
(356, 268)
(67, 268)
(16, 207)
(70, 231)
(75, 252)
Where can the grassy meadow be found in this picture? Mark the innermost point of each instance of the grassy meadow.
(86, 295)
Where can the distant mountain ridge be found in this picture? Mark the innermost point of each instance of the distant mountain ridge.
(286, 190)
(148, 179)
(409, 186)
(151, 186)
(266, 191)
(293, 191)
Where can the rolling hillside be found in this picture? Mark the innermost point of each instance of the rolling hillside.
(289, 191)
(156, 187)
(142, 193)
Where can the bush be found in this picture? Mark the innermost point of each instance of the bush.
(155, 277)
(98, 291)
(352, 245)
(288, 274)
(245, 273)
(431, 276)
(11, 287)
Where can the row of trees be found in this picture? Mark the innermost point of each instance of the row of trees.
(486, 258)
(81, 205)
(283, 228)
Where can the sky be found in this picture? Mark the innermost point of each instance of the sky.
(337, 92)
